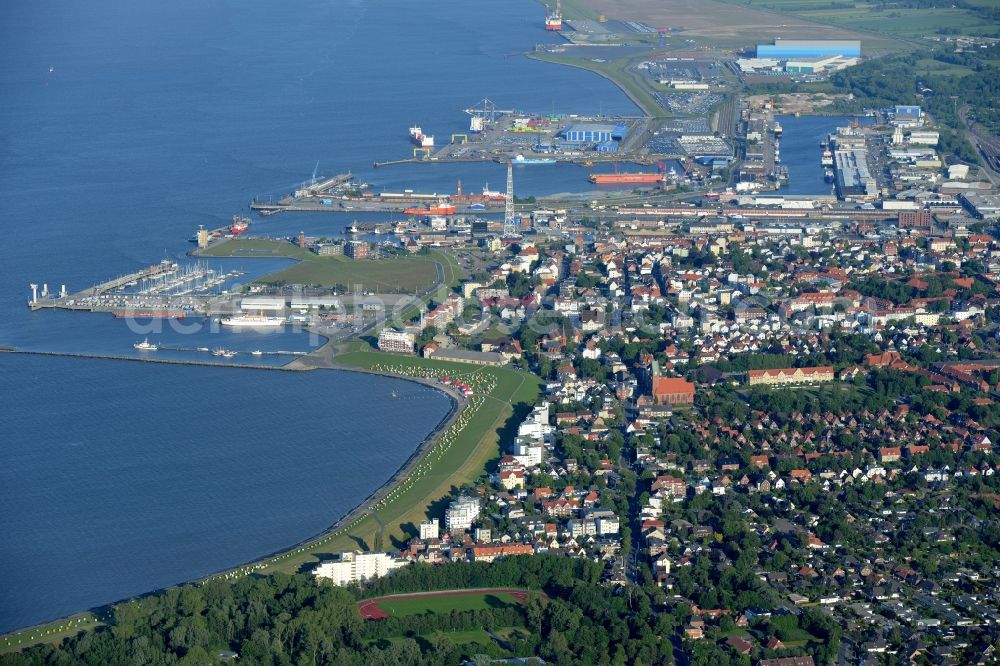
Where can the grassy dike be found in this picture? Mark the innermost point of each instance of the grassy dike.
(458, 455)
(394, 275)
(454, 457)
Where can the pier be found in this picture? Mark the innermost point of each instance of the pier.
(164, 290)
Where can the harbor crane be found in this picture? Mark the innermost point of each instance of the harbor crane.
(484, 113)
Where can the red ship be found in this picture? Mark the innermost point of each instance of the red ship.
(240, 224)
(440, 209)
(553, 21)
(620, 178)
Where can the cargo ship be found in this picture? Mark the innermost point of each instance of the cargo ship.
(420, 139)
(240, 224)
(627, 178)
(439, 209)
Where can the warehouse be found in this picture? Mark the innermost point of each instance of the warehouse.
(853, 177)
(819, 64)
(784, 49)
(594, 133)
(259, 303)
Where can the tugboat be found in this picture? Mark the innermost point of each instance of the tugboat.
(828, 175)
(145, 345)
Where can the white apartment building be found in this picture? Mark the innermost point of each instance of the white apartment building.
(353, 567)
(461, 513)
(429, 529)
(395, 341)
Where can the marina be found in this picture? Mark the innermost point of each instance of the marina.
(163, 290)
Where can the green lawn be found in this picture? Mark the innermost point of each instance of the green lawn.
(458, 602)
(397, 275)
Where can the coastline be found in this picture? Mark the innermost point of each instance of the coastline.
(91, 618)
(640, 104)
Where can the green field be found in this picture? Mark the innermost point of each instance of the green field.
(446, 604)
(894, 21)
(397, 275)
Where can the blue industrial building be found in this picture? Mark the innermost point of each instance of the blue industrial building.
(594, 133)
(784, 49)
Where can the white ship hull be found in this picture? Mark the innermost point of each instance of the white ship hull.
(253, 322)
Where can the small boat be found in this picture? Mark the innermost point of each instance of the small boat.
(203, 349)
(145, 345)
(224, 353)
(257, 352)
(394, 394)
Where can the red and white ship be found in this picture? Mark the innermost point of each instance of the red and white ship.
(493, 195)
(553, 21)
(240, 224)
(420, 139)
(439, 209)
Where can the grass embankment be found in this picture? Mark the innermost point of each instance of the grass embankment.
(458, 456)
(619, 73)
(395, 275)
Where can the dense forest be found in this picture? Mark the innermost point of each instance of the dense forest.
(285, 619)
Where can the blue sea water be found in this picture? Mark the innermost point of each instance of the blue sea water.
(118, 479)
(125, 126)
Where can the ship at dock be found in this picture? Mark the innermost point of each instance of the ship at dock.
(553, 19)
(521, 159)
(437, 209)
(419, 139)
(639, 178)
(240, 224)
(252, 321)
